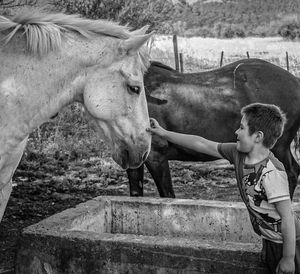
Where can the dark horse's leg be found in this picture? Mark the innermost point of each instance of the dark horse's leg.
(160, 172)
(136, 181)
(157, 164)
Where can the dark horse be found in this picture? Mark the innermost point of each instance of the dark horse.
(208, 104)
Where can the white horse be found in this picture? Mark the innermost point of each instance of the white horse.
(48, 61)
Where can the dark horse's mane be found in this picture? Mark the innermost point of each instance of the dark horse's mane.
(161, 65)
(155, 74)
(159, 73)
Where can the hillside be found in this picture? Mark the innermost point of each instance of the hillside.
(238, 18)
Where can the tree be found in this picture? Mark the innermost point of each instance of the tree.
(16, 3)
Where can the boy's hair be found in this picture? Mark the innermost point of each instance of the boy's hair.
(266, 118)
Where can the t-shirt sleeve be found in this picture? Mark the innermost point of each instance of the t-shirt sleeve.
(228, 151)
(276, 186)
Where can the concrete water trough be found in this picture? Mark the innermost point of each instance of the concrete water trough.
(112, 234)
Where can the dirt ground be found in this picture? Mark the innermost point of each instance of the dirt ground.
(44, 186)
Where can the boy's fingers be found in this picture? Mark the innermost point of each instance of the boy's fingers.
(148, 129)
(152, 123)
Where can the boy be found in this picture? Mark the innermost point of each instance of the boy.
(261, 178)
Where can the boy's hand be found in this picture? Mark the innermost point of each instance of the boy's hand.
(286, 266)
(155, 128)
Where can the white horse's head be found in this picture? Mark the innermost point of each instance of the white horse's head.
(98, 63)
(114, 96)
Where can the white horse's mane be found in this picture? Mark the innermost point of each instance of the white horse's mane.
(44, 32)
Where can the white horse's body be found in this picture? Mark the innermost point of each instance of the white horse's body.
(53, 65)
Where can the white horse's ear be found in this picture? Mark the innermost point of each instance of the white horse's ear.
(133, 44)
(140, 31)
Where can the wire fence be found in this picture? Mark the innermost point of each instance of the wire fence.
(185, 63)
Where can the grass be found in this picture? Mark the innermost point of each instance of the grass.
(69, 136)
(205, 53)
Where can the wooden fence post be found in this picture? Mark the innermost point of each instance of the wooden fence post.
(248, 55)
(221, 61)
(287, 61)
(175, 46)
(181, 61)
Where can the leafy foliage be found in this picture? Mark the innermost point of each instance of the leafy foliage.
(158, 14)
(290, 29)
(214, 18)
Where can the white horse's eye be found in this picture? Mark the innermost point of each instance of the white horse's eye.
(134, 89)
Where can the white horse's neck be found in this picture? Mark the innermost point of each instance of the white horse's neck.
(32, 89)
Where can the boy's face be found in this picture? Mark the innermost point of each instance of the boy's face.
(245, 141)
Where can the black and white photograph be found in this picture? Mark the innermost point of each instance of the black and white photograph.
(149, 136)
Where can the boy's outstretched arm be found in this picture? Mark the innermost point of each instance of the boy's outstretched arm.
(287, 263)
(193, 142)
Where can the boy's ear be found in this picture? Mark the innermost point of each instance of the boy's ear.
(259, 136)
